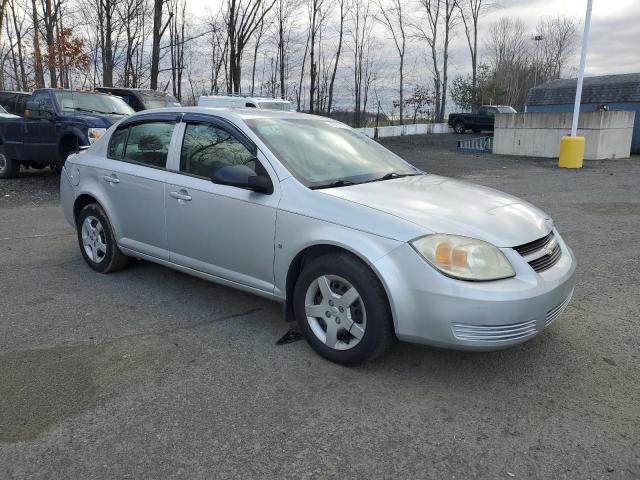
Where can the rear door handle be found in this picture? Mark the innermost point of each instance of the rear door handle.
(111, 179)
(181, 195)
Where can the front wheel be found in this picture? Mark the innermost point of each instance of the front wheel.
(459, 127)
(9, 168)
(342, 309)
(97, 241)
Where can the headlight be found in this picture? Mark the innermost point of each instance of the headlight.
(463, 257)
(95, 133)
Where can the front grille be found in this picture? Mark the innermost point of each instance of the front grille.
(494, 333)
(556, 311)
(531, 247)
(545, 261)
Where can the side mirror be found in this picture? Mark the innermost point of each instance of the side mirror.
(36, 111)
(242, 176)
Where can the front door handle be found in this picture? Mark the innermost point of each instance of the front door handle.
(181, 195)
(111, 179)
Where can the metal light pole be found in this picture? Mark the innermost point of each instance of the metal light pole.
(537, 39)
(583, 61)
(572, 147)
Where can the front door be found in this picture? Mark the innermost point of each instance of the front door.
(220, 230)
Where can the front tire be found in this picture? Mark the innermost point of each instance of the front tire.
(97, 241)
(459, 127)
(342, 309)
(9, 168)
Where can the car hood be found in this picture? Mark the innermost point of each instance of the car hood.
(443, 205)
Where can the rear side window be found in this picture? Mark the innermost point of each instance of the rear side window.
(146, 143)
(21, 105)
(207, 147)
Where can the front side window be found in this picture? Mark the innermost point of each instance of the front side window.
(207, 147)
(319, 152)
(146, 143)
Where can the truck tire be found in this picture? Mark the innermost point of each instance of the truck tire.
(459, 127)
(9, 168)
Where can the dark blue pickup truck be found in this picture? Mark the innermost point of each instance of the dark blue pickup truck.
(55, 124)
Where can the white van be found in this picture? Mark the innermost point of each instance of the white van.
(242, 101)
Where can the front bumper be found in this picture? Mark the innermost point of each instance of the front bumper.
(433, 309)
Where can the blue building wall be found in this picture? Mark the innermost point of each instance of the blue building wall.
(591, 107)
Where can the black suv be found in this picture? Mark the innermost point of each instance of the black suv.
(14, 102)
(142, 99)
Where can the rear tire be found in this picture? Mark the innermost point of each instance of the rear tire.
(342, 309)
(9, 168)
(459, 127)
(97, 241)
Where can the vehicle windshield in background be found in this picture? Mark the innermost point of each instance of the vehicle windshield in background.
(506, 110)
(92, 103)
(323, 152)
(275, 106)
(159, 101)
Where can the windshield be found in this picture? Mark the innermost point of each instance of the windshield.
(159, 101)
(92, 103)
(322, 152)
(506, 110)
(285, 106)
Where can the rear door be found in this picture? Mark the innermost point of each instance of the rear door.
(220, 230)
(132, 177)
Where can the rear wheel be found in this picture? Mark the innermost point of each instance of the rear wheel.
(342, 309)
(9, 168)
(97, 242)
(459, 127)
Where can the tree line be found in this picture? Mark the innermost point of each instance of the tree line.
(364, 56)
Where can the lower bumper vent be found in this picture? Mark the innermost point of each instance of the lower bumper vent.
(494, 333)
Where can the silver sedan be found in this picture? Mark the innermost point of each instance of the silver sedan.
(361, 247)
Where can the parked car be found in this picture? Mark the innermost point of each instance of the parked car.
(360, 246)
(244, 101)
(142, 98)
(14, 102)
(483, 119)
(56, 123)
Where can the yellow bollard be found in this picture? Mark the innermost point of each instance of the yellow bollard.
(571, 152)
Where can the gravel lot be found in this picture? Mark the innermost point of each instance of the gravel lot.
(150, 373)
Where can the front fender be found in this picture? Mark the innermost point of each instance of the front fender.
(295, 233)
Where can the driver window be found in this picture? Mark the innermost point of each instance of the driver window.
(206, 148)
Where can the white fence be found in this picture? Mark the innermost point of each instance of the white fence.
(401, 130)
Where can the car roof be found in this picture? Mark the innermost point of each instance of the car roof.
(230, 113)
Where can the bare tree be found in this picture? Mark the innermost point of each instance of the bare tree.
(37, 53)
(362, 38)
(158, 31)
(559, 42)
(344, 9)
(242, 19)
(285, 11)
(391, 16)
(470, 12)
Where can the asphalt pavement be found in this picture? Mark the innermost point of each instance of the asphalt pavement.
(148, 373)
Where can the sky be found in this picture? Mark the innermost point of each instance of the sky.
(615, 28)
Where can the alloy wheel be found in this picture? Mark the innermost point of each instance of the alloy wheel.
(94, 239)
(335, 312)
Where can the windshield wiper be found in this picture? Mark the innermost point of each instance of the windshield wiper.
(78, 109)
(392, 175)
(337, 183)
